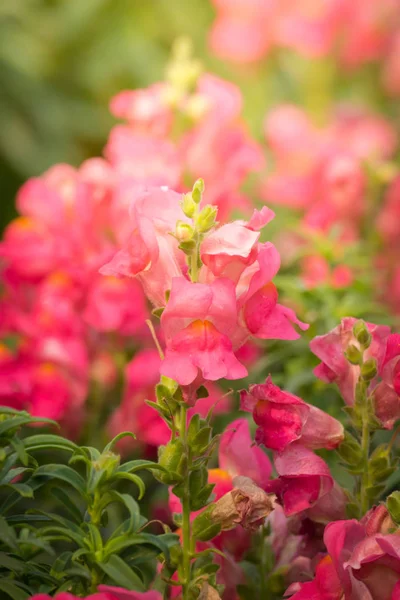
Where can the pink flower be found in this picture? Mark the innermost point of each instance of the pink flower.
(387, 393)
(144, 109)
(335, 367)
(198, 323)
(151, 254)
(260, 314)
(354, 566)
(237, 456)
(115, 305)
(283, 418)
(228, 250)
(240, 32)
(304, 478)
(106, 592)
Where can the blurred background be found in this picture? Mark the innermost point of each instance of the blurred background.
(60, 63)
(62, 60)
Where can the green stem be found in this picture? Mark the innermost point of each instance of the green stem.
(186, 525)
(194, 264)
(365, 436)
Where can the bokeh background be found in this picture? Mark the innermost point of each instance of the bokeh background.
(62, 60)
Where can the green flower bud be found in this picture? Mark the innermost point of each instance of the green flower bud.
(198, 190)
(361, 333)
(369, 369)
(171, 457)
(353, 354)
(189, 206)
(393, 506)
(206, 220)
(107, 462)
(184, 232)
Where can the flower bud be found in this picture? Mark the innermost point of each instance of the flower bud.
(172, 458)
(353, 354)
(189, 205)
(361, 333)
(369, 369)
(183, 232)
(198, 190)
(208, 593)
(393, 505)
(206, 220)
(107, 462)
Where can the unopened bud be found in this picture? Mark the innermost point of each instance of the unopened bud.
(206, 220)
(208, 593)
(393, 505)
(361, 333)
(353, 354)
(108, 462)
(198, 190)
(369, 369)
(184, 232)
(188, 205)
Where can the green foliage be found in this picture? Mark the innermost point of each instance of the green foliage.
(67, 527)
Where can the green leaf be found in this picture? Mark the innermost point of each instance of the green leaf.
(13, 590)
(19, 448)
(137, 465)
(68, 504)
(122, 574)
(69, 525)
(118, 437)
(10, 563)
(129, 503)
(134, 479)
(7, 535)
(53, 532)
(22, 489)
(47, 440)
(13, 473)
(64, 473)
(23, 419)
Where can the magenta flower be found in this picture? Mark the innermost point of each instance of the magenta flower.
(358, 566)
(304, 478)
(283, 418)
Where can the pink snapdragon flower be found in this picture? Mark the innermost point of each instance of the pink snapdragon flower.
(304, 478)
(358, 565)
(105, 592)
(330, 349)
(151, 254)
(284, 418)
(198, 323)
(386, 394)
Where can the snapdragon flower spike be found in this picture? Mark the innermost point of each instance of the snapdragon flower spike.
(304, 478)
(283, 418)
(198, 323)
(330, 349)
